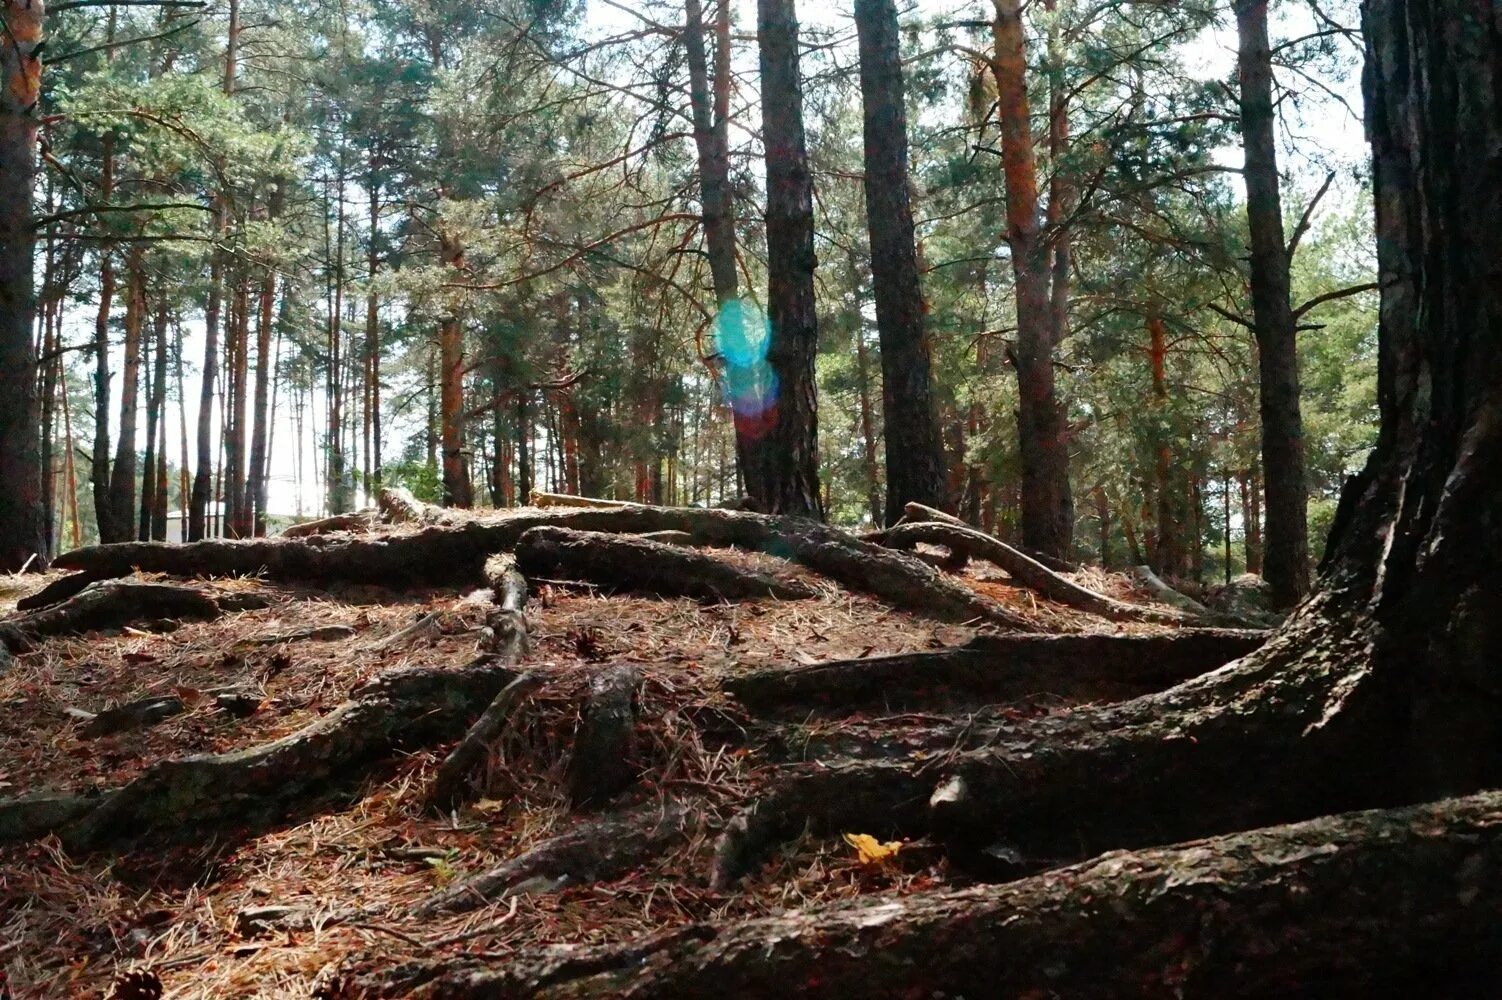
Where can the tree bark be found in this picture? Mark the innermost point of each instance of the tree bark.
(458, 490)
(1286, 549)
(1047, 502)
(789, 483)
(1401, 902)
(122, 494)
(997, 669)
(914, 447)
(21, 516)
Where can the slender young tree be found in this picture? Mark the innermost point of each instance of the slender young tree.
(789, 481)
(21, 516)
(1286, 543)
(1047, 501)
(914, 446)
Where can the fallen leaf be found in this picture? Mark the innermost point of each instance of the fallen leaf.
(871, 850)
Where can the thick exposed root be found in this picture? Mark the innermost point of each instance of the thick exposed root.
(455, 555)
(447, 789)
(1384, 902)
(358, 522)
(1026, 571)
(915, 513)
(591, 852)
(1279, 735)
(256, 787)
(541, 498)
(604, 747)
(634, 563)
(999, 668)
(507, 635)
(117, 603)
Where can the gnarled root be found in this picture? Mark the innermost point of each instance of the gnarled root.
(630, 562)
(1391, 902)
(118, 603)
(999, 668)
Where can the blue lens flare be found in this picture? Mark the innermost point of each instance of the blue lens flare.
(743, 336)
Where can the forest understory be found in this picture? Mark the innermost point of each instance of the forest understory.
(579, 768)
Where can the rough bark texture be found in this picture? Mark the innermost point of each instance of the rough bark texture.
(1025, 571)
(260, 786)
(1047, 503)
(456, 554)
(1286, 546)
(915, 449)
(21, 516)
(998, 668)
(359, 522)
(115, 604)
(508, 628)
(1400, 902)
(602, 764)
(789, 454)
(627, 562)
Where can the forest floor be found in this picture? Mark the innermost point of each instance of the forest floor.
(304, 907)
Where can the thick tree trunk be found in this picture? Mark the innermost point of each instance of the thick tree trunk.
(122, 493)
(156, 416)
(915, 449)
(21, 518)
(789, 483)
(1047, 503)
(458, 490)
(1286, 554)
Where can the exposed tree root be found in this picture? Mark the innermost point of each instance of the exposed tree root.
(631, 562)
(999, 668)
(359, 522)
(591, 852)
(508, 636)
(1380, 902)
(1279, 735)
(604, 747)
(398, 506)
(1026, 571)
(455, 555)
(118, 603)
(446, 791)
(917, 513)
(543, 499)
(257, 786)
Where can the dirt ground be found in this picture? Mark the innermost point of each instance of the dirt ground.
(350, 877)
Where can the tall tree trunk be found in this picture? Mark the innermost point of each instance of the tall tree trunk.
(203, 477)
(339, 473)
(373, 344)
(1286, 553)
(122, 494)
(790, 474)
(867, 417)
(1047, 504)
(50, 373)
(99, 465)
(156, 416)
(458, 491)
(237, 501)
(261, 434)
(915, 449)
(1168, 550)
(21, 532)
(709, 101)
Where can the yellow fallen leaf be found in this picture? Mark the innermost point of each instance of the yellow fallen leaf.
(871, 850)
(489, 806)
